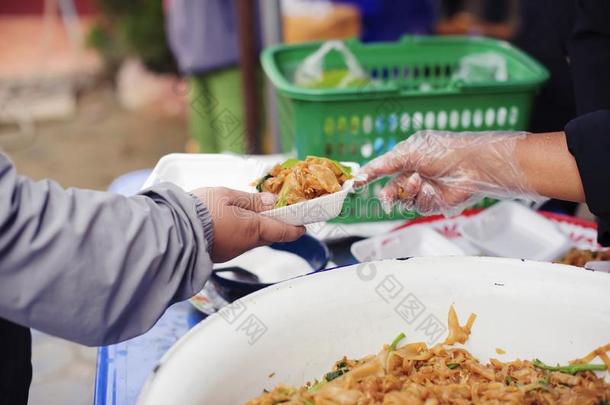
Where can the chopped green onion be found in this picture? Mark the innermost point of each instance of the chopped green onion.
(453, 365)
(509, 379)
(397, 340)
(335, 374)
(571, 368)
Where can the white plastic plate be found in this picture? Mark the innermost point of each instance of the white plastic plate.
(294, 331)
(508, 229)
(318, 209)
(190, 171)
(413, 241)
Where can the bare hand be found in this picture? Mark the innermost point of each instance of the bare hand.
(237, 225)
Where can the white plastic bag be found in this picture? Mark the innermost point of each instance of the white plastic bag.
(482, 67)
(311, 70)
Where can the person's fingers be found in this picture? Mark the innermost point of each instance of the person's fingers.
(256, 202)
(403, 188)
(271, 230)
(405, 157)
(428, 200)
(384, 165)
(435, 198)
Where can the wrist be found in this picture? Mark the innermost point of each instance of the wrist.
(548, 166)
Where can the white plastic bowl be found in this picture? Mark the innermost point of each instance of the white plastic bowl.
(190, 171)
(294, 331)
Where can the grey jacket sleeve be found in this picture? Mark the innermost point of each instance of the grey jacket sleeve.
(96, 267)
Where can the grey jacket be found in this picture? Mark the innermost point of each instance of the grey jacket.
(96, 267)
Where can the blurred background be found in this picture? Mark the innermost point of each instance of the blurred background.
(91, 90)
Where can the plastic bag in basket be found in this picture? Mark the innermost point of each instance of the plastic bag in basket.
(482, 67)
(311, 72)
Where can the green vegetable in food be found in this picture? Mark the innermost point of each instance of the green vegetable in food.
(509, 379)
(453, 365)
(315, 387)
(307, 401)
(286, 165)
(571, 368)
(340, 369)
(396, 341)
(259, 185)
(335, 374)
(289, 163)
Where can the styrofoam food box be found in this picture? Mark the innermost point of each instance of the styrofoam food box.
(413, 241)
(191, 171)
(509, 229)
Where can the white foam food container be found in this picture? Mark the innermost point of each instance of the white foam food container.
(191, 171)
(509, 229)
(412, 241)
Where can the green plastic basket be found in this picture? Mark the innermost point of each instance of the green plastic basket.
(415, 91)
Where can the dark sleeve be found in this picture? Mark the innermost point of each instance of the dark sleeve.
(589, 52)
(588, 138)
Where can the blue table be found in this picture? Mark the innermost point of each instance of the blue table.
(123, 368)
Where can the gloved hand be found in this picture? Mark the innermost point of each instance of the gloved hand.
(237, 225)
(445, 172)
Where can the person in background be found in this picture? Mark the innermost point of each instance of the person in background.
(546, 33)
(495, 18)
(387, 20)
(203, 36)
(441, 172)
(97, 268)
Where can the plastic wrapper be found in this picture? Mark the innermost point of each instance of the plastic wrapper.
(482, 67)
(312, 73)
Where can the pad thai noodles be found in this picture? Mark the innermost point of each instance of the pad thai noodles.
(580, 257)
(294, 181)
(414, 373)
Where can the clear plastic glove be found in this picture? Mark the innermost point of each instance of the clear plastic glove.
(440, 172)
(237, 225)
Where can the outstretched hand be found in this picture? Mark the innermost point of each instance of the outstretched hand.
(238, 226)
(439, 172)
